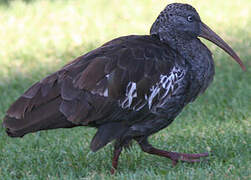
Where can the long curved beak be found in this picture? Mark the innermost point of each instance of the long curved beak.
(208, 34)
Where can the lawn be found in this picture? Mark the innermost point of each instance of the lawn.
(39, 37)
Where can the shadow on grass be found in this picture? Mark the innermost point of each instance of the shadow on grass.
(68, 152)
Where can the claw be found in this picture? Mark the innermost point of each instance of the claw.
(112, 171)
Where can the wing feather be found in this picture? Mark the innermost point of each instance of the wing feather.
(126, 71)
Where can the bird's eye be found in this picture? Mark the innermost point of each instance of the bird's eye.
(190, 18)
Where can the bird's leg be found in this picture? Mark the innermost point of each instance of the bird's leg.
(174, 156)
(116, 153)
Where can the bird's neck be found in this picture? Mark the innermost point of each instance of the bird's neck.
(169, 35)
(191, 49)
(175, 39)
(201, 66)
(196, 54)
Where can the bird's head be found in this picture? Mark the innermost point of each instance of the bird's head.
(181, 21)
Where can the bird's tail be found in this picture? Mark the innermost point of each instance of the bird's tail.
(43, 117)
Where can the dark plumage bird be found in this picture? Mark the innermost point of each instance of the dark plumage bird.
(129, 88)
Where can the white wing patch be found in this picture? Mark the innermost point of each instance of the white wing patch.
(157, 95)
(100, 89)
(130, 94)
(162, 90)
(154, 92)
(106, 92)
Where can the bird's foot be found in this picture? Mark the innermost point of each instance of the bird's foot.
(190, 158)
(174, 156)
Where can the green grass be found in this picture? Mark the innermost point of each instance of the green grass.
(38, 37)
